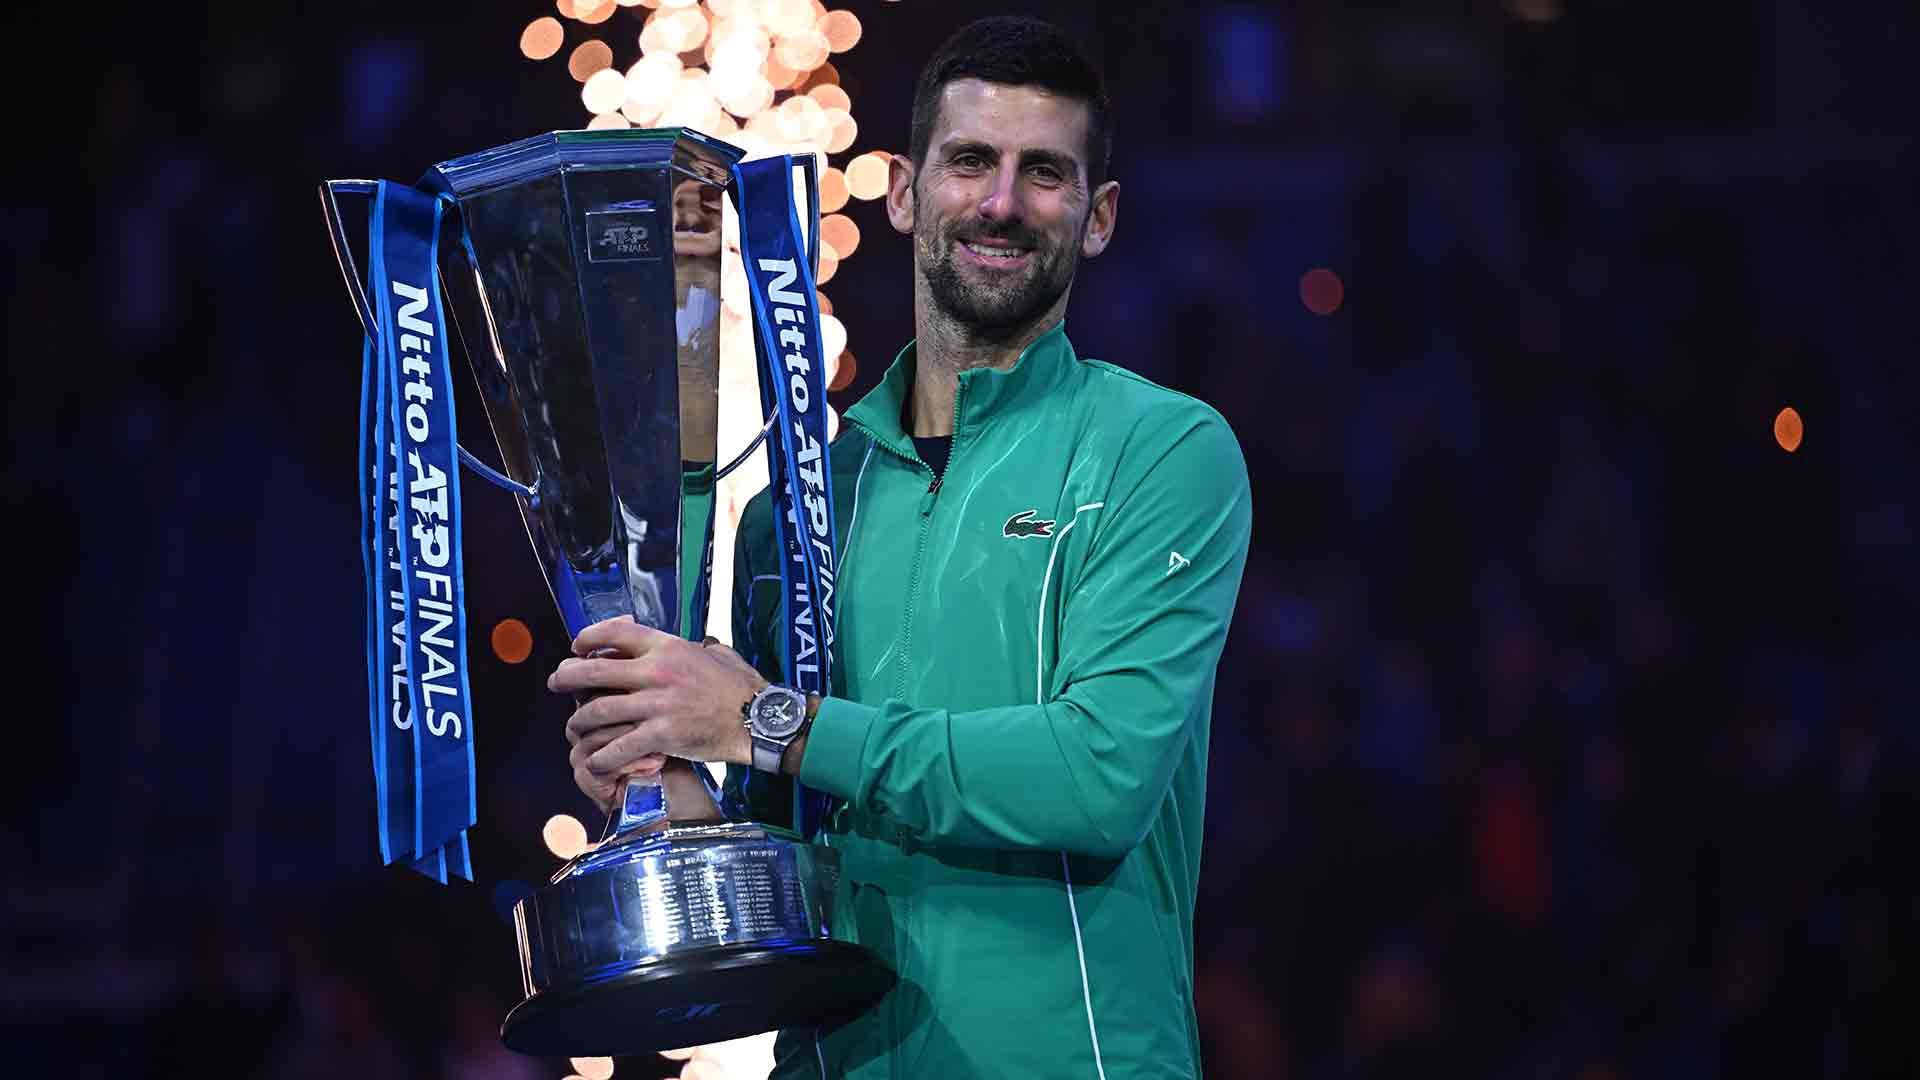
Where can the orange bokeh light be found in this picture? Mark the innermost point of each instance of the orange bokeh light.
(1789, 429)
(830, 97)
(564, 835)
(542, 38)
(589, 57)
(842, 30)
(833, 190)
(512, 641)
(841, 130)
(780, 75)
(840, 231)
(824, 75)
(867, 176)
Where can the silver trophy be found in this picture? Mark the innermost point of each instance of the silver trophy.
(587, 294)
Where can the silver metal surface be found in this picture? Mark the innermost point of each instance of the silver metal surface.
(669, 894)
(592, 284)
(342, 250)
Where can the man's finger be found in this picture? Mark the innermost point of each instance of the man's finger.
(623, 634)
(620, 755)
(598, 788)
(586, 742)
(629, 708)
(575, 675)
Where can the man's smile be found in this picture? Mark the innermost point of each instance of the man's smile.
(997, 254)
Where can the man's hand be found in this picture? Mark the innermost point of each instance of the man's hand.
(653, 694)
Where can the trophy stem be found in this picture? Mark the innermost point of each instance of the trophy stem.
(681, 793)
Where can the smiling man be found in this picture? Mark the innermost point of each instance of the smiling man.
(1040, 557)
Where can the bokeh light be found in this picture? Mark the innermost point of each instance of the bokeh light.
(840, 231)
(605, 92)
(512, 641)
(1322, 291)
(803, 52)
(564, 835)
(867, 176)
(542, 38)
(844, 371)
(593, 1068)
(833, 340)
(841, 29)
(833, 189)
(1789, 429)
(588, 58)
(842, 130)
(828, 95)
(824, 75)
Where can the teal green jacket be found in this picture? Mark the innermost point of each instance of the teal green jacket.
(1023, 681)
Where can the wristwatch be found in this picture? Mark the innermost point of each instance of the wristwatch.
(775, 717)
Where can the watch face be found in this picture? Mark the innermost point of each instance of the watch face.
(778, 713)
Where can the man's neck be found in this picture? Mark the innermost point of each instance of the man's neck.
(943, 349)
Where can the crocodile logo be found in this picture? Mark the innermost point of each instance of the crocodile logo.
(1022, 525)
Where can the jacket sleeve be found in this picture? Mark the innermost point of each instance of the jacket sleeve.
(749, 793)
(1086, 767)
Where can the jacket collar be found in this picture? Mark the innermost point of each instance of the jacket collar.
(983, 394)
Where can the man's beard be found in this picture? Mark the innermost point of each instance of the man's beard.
(997, 309)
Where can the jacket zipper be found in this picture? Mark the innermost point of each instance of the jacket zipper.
(920, 549)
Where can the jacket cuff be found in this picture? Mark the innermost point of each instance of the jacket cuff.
(835, 744)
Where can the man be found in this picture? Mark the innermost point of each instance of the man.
(1039, 561)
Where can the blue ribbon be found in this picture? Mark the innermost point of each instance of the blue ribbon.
(420, 722)
(793, 384)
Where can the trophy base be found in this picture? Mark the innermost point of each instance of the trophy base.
(691, 935)
(703, 996)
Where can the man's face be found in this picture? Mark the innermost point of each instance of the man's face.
(1000, 207)
(696, 218)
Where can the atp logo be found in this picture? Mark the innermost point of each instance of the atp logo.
(1022, 525)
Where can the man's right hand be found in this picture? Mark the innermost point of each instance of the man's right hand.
(603, 789)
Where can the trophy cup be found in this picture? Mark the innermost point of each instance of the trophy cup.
(587, 293)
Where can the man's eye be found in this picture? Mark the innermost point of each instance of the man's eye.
(968, 161)
(1046, 174)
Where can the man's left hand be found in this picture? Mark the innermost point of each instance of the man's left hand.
(655, 693)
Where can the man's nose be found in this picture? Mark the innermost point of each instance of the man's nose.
(1002, 201)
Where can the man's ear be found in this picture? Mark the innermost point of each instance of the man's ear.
(1101, 218)
(900, 208)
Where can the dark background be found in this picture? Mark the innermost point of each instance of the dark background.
(1568, 724)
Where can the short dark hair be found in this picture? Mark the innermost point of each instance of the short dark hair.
(1014, 50)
